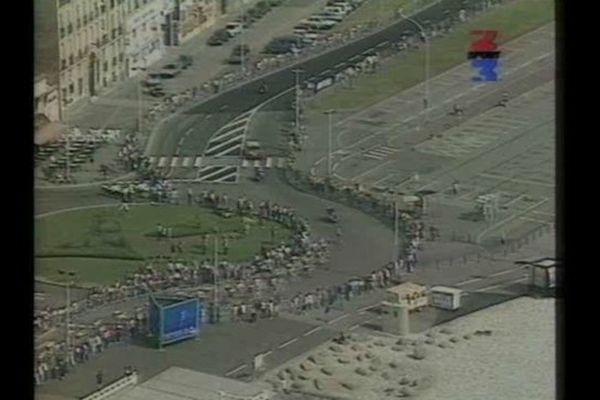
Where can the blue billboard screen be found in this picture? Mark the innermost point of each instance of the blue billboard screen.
(181, 321)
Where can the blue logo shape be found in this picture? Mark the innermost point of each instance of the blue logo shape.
(486, 69)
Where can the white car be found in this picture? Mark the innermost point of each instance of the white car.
(331, 16)
(234, 28)
(319, 22)
(336, 10)
(344, 5)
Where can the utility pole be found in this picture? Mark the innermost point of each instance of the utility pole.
(395, 251)
(242, 51)
(330, 140)
(67, 155)
(216, 269)
(297, 72)
(69, 275)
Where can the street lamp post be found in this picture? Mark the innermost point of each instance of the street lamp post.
(70, 275)
(297, 72)
(242, 52)
(139, 94)
(395, 250)
(329, 114)
(427, 58)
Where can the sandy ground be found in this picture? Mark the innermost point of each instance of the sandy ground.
(504, 352)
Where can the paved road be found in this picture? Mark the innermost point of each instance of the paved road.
(166, 137)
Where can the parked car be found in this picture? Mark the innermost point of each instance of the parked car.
(185, 61)
(343, 4)
(331, 16)
(283, 45)
(150, 82)
(336, 10)
(319, 22)
(218, 38)
(234, 28)
(237, 52)
(170, 70)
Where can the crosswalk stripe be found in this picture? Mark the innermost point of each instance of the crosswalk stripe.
(187, 161)
(198, 162)
(269, 162)
(281, 162)
(162, 162)
(228, 150)
(152, 160)
(233, 140)
(256, 163)
(174, 161)
(245, 163)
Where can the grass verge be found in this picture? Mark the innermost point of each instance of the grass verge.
(510, 20)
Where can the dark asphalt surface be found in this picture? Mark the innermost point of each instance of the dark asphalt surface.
(223, 107)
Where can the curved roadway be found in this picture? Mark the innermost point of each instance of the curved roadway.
(186, 132)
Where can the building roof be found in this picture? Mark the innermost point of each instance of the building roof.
(183, 384)
(546, 262)
(446, 289)
(406, 288)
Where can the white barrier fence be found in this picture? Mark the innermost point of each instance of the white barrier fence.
(102, 393)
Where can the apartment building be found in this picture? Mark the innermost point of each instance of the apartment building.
(144, 37)
(84, 46)
(186, 18)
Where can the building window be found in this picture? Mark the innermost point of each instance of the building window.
(64, 96)
(63, 64)
(114, 34)
(79, 54)
(70, 59)
(62, 33)
(120, 30)
(69, 29)
(137, 4)
(80, 85)
(114, 76)
(121, 57)
(78, 23)
(85, 19)
(114, 61)
(112, 4)
(105, 66)
(71, 88)
(133, 33)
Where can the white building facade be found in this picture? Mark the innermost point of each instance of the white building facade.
(144, 37)
(91, 46)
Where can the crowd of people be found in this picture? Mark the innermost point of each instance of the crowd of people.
(54, 359)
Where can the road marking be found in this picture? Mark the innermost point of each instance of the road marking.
(267, 353)
(174, 162)
(318, 328)
(269, 162)
(338, 318)
(198, 162)
(509, 180)
(281, 346)
(233, 371)
(504, 272)
(245, 163)
(469, 281)
(366, 308)
(162, 162)
(485, 289)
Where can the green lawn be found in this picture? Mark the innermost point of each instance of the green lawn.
(103, 244)
(379, 11)
(511, 20)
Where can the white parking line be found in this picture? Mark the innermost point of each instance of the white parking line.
(485, 289)
(318, 328)
(338, 318)
(508, 271)
(233, 371)
(281, 346)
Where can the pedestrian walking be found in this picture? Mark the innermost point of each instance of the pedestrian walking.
(99, 378)
(190, 196)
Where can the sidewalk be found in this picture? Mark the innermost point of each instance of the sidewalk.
(118, 106)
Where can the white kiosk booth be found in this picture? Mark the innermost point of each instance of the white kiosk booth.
(446, 298)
